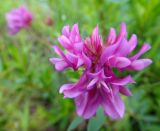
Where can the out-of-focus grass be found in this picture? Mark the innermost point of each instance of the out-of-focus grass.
(29, 98)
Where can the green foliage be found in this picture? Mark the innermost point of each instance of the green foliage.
(75, 123)
(96, 123)
(29, 98)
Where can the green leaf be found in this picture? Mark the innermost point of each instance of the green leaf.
(153, 127)
(96, 122)
(25, 117)
(75, 123)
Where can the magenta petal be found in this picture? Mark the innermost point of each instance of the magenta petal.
(111, 37)
(75, 29)
(108, 51)
(96, 39)
(74, 35)
(65, 31)
(13, 19)
(72, 58)
(119, 62)
(87, 104)
(60, 64)
(125, 91)
(124, 81)
(69, 60)
(95, 34)
(96, 74)
(114, 107)
(105, 87)
(140, 64)
(54, 60)
(70, 90)
(60, 53)
(87, 61)
(144, 48)
(80, 62)
(132, 42)
(100, 75)
(78, 47)
(64, 41)
(74, 90)
(92, 83)
(115, 89)
(123, 48)
(66, 87)
(123, 33)
(23, 9)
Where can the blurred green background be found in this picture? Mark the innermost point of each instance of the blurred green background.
(29, 98)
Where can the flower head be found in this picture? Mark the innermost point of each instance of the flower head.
(18, 19)
(98, 85)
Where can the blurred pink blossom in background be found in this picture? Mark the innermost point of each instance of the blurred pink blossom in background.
(49, 21)
(99, 85)
(18, 19)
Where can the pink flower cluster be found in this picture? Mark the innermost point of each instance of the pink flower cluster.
(18, 19)
(98, 85)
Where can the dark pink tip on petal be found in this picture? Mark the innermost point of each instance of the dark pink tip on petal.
(125, 91)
